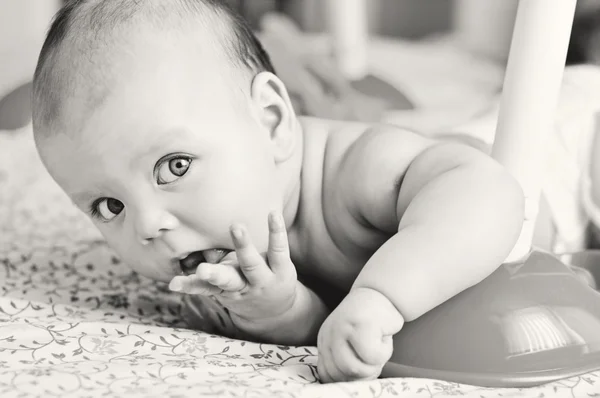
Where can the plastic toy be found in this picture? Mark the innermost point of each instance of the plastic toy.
(531, 322)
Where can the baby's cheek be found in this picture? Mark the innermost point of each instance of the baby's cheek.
(123, 246)
(112, 238)
(139, 259)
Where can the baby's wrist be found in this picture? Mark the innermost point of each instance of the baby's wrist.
(269, 313)
(297, 326)
(379, 306)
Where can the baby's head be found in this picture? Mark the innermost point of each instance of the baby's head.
(162, 120)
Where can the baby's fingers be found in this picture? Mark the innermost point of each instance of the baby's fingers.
(223, 276)
(253, 266)
(279, 248)
(323, 366)
(192, 284)
(349, 366)
(371, 347)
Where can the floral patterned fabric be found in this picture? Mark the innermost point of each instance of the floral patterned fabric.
(76, 322)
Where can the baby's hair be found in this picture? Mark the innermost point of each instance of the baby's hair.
(82, 29)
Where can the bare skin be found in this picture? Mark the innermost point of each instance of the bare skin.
(171, 163)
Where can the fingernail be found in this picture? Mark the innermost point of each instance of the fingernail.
(276, 219)
(237, 233)
(203, 272)
(175, 285)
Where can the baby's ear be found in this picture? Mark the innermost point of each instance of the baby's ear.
(276, 113)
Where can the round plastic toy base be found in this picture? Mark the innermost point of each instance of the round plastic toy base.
(531, 322)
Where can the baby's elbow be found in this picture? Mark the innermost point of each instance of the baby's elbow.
(512, 194)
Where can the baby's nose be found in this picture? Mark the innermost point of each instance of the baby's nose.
(151, 225)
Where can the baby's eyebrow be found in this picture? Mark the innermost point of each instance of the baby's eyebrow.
(83, 197)
(168, 136)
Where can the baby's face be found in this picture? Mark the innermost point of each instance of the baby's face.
(166, 164)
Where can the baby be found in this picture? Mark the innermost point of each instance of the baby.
(164, 121)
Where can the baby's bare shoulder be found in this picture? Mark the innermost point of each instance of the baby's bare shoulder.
(360, 157)
(367, 166)
(379, 151)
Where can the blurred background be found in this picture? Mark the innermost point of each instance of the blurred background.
(478, 29)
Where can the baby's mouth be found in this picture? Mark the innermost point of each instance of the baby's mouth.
(190, 262)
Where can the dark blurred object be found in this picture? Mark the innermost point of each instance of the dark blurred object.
(584, 46)
(397, 18)
(412, 18)
(15, 108)
(592, 237)
(375, 87)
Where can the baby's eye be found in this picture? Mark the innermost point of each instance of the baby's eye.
(172, 169)
(107, 208)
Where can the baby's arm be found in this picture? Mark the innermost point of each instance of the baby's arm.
(455, 215)
(460, 214)
(265, 301)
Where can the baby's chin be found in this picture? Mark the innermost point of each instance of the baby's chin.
(152, 270)
(163, 276)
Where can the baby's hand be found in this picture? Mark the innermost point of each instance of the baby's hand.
(355, 341)
(250, 288)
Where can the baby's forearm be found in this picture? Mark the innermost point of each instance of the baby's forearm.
(299, 326)
(457, 230)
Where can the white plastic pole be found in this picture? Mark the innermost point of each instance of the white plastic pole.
(530, 96)
(347, 24)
